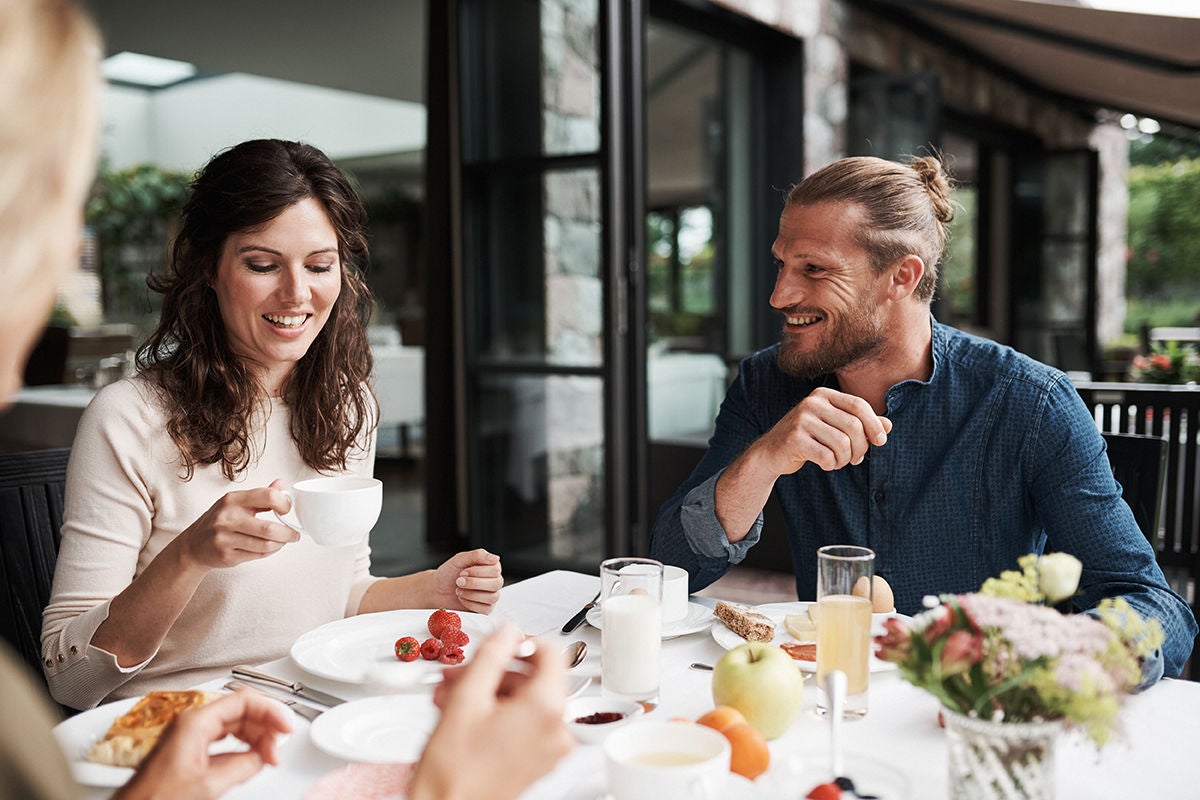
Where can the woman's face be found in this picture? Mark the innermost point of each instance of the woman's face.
(276, 286)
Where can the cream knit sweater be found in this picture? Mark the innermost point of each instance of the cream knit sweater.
(125, 500)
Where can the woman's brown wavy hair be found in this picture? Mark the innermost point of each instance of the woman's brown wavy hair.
(210, 394)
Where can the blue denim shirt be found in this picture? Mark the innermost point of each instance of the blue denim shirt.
(994, 457)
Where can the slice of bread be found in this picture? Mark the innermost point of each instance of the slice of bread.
(745, 622)
(133, 735)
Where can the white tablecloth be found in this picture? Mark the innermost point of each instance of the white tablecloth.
(1152, 760)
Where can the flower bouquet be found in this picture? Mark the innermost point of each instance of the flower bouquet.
(1174, 363)
(1011, 669)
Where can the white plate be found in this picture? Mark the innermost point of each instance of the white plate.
(777, 611)
(355, 648)
(736, 788)
(76, 735)
(698, 618)
(380, 730)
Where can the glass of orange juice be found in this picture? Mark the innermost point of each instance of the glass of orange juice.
(844, 623)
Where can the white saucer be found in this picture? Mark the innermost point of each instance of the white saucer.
(378, 730)
(699, 618)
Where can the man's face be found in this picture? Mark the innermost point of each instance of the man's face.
(826, 289)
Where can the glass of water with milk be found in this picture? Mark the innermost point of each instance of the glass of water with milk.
(631, 628)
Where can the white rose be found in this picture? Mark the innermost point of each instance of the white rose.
(1058, 576)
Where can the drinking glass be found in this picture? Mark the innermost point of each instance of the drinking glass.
(631, 628)
(844, 623)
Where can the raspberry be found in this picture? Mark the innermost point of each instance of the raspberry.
(451, 654)
(431, 648)
(455, 636)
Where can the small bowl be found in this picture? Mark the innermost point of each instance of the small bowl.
(595, 733)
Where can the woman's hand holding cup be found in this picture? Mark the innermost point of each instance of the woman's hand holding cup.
(231, 532)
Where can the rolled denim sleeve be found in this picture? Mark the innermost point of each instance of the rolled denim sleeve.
(704, 533)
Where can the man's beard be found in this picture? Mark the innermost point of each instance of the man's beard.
(847, 338)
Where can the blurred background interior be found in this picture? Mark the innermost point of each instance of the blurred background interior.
(572, 202)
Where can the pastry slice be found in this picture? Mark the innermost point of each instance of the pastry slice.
(745, 622)
(133, 735)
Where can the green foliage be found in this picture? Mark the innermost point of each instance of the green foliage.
(1164, 239)
(132, 211)
(1178, 310)
(1162, 149)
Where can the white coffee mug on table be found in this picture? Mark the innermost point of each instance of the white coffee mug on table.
(662, 760)
(674, 593)
(336, 511)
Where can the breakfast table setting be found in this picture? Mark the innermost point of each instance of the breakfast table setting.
(353, 745)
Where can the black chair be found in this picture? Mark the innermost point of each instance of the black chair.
(31, 513)
(1139, 463)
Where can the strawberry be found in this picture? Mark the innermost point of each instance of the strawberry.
(455, 636)
(441, 619)
(407, 648)
(825, 791)
(431, 648)
(451, 654)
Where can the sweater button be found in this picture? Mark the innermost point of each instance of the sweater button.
(879, 495)
(74, 649)
(61, 658)
(49, 662)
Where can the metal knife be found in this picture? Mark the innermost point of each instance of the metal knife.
(577, 620)
(308, 712)
(296, 688)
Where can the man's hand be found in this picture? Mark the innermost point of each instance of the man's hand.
(180, 766)
(831, 429)
(828, 428)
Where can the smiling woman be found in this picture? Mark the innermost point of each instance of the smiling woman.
(257, 373)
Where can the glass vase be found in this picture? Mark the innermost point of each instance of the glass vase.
(1000, 760)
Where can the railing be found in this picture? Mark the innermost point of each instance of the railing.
(1172, 413)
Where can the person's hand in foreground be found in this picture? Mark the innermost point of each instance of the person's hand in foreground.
(500, 730)
(470, 581)
(181, 768)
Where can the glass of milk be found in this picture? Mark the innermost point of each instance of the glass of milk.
(631, 628)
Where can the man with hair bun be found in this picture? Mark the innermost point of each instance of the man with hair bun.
(948, 454)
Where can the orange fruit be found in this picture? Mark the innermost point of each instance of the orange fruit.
(722, 717)
(749, 756)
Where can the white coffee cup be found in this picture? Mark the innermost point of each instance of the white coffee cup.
(335, 511)
(659, 760)
(674, 593)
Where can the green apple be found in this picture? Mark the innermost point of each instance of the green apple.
(760, 680)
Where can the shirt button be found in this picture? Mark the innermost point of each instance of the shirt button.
(879, 495)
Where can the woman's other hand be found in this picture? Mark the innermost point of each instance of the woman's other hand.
(180, 766)
(470, 581)
(231, 532)
(499, 730)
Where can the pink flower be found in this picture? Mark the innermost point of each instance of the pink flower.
(896, 642)
(961, 652)
(1140, 362)
(1160, 360)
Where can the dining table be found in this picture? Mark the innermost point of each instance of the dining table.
(1147, 759)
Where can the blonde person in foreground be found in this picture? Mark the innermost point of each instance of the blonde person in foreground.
(49, 83)
(49, 73)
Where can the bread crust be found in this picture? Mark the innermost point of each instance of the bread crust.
(133, 735)
(745, 622)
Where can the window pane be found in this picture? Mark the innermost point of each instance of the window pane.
(959, 280)
(542, 464)
(696, 260)
(539, 295)
(570, 77)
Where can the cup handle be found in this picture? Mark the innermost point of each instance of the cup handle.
(283, 521)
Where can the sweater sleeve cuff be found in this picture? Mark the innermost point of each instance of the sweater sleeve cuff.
(80, 674)
(704, 533)
(357, 590)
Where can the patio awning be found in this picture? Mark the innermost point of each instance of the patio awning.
(1144, 64)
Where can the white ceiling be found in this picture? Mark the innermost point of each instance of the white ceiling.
(374, 47)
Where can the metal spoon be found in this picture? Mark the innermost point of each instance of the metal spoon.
(574, 653)
(696, 665)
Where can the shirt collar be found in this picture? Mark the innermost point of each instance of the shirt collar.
(898, 394)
